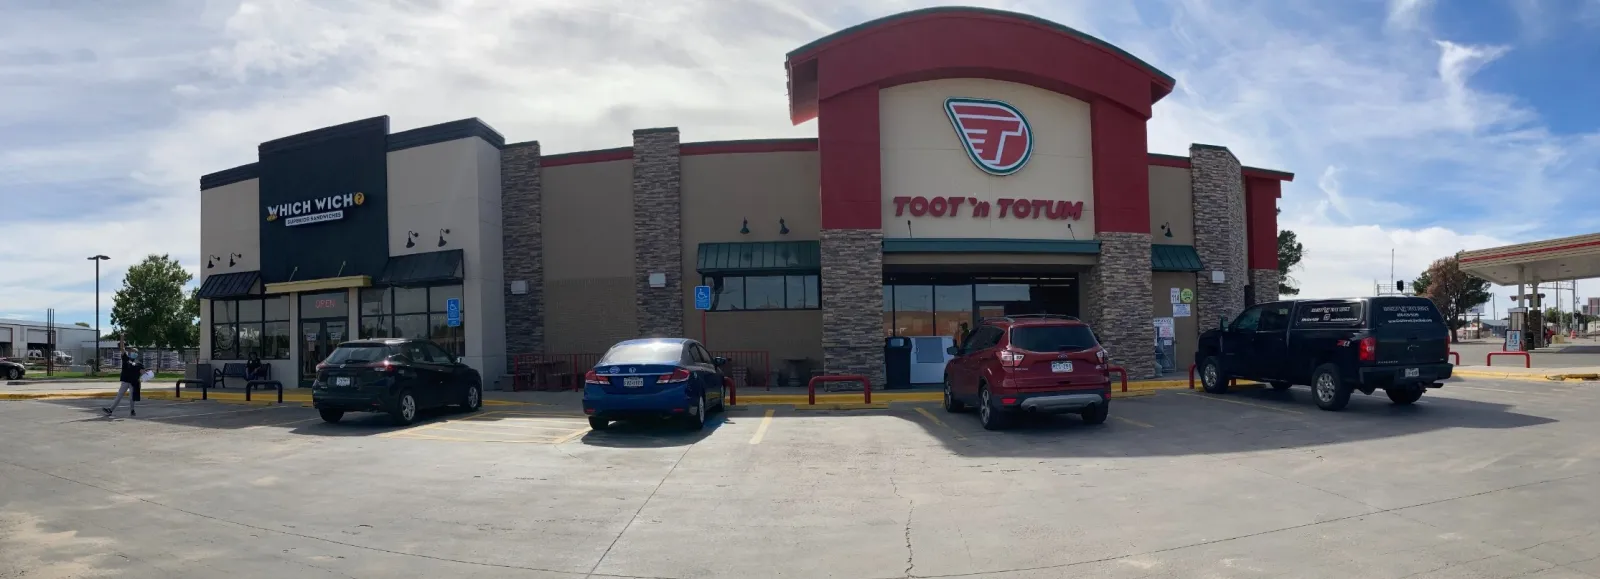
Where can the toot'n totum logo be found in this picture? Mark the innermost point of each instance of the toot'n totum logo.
(996, 135)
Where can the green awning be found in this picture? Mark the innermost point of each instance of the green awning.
(1174, 258)
(760, 257)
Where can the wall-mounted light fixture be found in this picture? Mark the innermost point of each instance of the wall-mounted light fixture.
(411, 237)
(1166, 229)
(783, 228)
(211, 261)
(442, 233)
(744, 227)
(234, 256)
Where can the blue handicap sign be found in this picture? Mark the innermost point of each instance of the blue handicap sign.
(452, 312)
(702, 297)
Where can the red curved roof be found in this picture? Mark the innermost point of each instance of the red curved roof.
(960, 42)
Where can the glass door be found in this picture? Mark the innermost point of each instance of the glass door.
(318, 338)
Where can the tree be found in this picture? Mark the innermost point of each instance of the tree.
(1420, 286)
(1290, 251)
(82, 324)
(1454, 291)
(150, 308)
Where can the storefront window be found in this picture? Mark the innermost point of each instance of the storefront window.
(913, 310)
(242, 327)
(888, 311)
(333, 305)
(767, 292)
(421, 313)
(953, 307)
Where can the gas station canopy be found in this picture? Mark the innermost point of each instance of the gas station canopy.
(1562, 259)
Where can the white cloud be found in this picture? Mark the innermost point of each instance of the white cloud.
(1405, 14)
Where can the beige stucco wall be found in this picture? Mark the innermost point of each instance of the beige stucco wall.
(230, 222)
(588, 256)
(1171, 202)
(720, 192)
(1185, 329)
(923, 156)
(454, 186)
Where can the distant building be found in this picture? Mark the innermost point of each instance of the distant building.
(19, 337)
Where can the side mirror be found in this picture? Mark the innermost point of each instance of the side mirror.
(953, 351)
(719, 361)
(461, 360)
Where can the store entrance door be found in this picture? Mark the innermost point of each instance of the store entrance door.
(318, 338)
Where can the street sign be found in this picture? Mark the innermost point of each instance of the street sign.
(452, 312)
(702, 297)
(1513, 341)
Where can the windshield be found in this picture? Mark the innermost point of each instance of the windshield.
(643, 353)
(1053, 338)
(359, 354)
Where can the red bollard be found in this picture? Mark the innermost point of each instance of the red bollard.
(1191, 376)
(1121, 372)
(733, 390)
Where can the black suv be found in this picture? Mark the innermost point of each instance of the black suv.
(1397, 344)
(396, 376)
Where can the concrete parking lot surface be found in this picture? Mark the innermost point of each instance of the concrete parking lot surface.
(1481, 479)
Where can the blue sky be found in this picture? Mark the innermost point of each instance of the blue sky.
(1412, 125)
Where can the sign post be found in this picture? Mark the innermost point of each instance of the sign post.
(452, 312)
(702, 302)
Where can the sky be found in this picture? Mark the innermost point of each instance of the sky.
(1411, 125)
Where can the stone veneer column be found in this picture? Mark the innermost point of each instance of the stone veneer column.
(1117, 306)
(1219, 232)
(522, 218)
(852, 303)
(1265, 282)
(658, 231)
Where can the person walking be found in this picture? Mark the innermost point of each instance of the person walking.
(131, 370)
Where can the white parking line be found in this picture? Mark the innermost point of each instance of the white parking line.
(257, 409)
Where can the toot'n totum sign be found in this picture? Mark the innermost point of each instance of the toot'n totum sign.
(973, 158)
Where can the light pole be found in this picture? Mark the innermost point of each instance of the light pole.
(97, 259)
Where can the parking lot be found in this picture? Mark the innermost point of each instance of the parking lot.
(1482, 479)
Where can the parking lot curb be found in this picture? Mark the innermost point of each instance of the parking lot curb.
(1548, 377)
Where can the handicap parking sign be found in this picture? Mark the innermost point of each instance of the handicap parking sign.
(702, 297)
(452, 312)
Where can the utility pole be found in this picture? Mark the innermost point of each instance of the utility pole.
(97, 259)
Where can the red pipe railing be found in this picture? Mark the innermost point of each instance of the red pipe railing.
(1120, 371)
(1458, 357)
(1527, 361)
(733, 390)
(811, 387)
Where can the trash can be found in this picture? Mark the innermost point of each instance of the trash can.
(897, 362)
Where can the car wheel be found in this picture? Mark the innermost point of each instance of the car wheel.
(598, 423)
(330, 415)
(1212, 378)
(1280, 385)
(951, 405)
(472, 400)
(697, 421)
(1328, 389)
(405, 409)
(1405, 395)
(14, 374)
(1098, 413)
(990, 416)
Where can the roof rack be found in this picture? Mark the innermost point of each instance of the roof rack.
(1016, 317)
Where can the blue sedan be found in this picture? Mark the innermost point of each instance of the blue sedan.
(654, 377)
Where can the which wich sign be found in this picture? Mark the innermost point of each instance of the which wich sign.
(330, 208)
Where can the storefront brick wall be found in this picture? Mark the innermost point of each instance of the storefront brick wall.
(522, 216)
(658, 231)
(1265, 282)
(1118, 301)
(852, 302)
(1217, 184)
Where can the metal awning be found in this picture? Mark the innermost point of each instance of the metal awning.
(1563, 259)
(422, 269)
(231, 285)
(1175, 258)
(759, 257)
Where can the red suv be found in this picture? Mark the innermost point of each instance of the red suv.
(1043, 364)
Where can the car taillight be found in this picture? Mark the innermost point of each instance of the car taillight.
(384, 366)
(678, 375)
(1368, 349)
(1010, 358)
(321, 366)
(592, 377)
(1101, 355)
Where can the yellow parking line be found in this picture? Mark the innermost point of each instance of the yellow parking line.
(456, 439)
(1219, 399)
(430, 425)
(761, 431)
(563, 426)
(1133, 422)
(494, 433)
(935, 419)
(569, 437)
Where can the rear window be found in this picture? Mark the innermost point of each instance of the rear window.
(360, 354)
(643, 353)
(1405, 312)
(1333, 314)
(1052, 338)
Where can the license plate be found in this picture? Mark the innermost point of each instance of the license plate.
(1413, 372)
(1061, 366)
(633, 381)
(341, 381)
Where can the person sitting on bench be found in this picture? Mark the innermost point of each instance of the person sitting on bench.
(252, 368)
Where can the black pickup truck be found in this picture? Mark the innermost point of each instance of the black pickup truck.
(1396, 344)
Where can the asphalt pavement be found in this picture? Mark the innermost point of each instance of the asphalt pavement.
(1481, 479)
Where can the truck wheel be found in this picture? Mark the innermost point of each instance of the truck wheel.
(1406, 394)
(1212, 377)
(1331, 392)
(1280, 385)
(330, 416)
